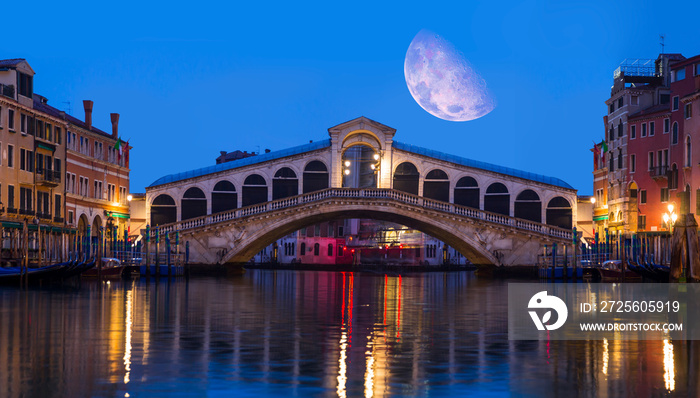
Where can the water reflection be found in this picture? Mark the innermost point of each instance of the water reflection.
(306, 333)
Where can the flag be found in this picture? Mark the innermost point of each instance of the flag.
(118, 146)
(126, 154)
(603, 148)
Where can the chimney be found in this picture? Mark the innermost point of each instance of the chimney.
(87, 104)
(115, 124)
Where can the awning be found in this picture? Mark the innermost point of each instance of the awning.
(10, 224)
(600, 218)
(118, 215)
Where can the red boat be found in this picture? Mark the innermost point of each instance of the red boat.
(111, 268)
(611, 270)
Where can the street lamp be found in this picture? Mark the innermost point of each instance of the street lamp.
(670, 217)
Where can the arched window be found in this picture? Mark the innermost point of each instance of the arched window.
(163, 210)
(254, 190)
(437, 186)
(223, 197)
(284, 184)
(559, 213)
(302, 250)
(406, 178)
(497, 199)
(330, 249)
(359, 167)
(467, 192)
(193, 204)
(317, 249)
(528, 206)
(315, 176)
(674, 134)
(688, 153)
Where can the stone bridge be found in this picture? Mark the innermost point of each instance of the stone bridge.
(485, 238)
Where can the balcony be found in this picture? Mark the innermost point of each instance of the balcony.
(26, 212)
(46, 216)
(7, 90)
(48, 177)
(58, 219)
(11, 210)
(658, 172)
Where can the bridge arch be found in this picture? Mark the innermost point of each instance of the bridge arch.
(559, 212)
(193, 203)
(497, 199)
(467, 193)
(436, 185)
(315, 177)
(442, 228)
(223, 197)
(285, 183)
(528, 206)
(362, 137)
(406, 177)
(254, 190)
(163, 210)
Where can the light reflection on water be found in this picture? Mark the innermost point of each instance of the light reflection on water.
(309, 334)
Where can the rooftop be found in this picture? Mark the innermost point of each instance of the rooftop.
(266, 157)
(8, 63)
(41, 106)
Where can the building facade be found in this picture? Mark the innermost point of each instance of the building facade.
(55, 171)
(650, 129)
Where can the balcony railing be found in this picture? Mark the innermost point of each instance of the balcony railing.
(48, 176)
(43, 215)
(26, 212)
(11, 210)
(7, 90)
(659, 172)
(58, 219)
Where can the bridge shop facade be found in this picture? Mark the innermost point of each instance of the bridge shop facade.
(491, 214)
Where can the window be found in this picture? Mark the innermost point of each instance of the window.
(10, 196)
(674, 134)
(620, 102)
(619, 129)
(70, 216)
(651, 160)
(664, 194)
(340, 231)
(58, 135)
(641, 222)
(57, 166)
(612, 133)
(633, 132)
(667, 125)
(688, 152)
(25, 199)
(40, 128)
(122, 196)
(10, 156)
(25, 85)
(696, 69)
(330, 249)
(635, 100)
(643, 196)
(611, 109)
(651, 129)
(317, 249)
(110, 193)
(11, 119)
(688, 111)
(612, 162)
(644, 129)
(633, 163)
(23, 123)
(680, 74)
(0, 117)
(619, 158)
(49, 132)
(675, 103)
(340, 250)
(57, 206)
(22, 159)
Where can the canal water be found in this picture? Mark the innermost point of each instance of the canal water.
(296, 333)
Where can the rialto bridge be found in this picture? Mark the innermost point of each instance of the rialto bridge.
(491, 214)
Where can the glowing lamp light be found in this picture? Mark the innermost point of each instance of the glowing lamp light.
(347, 172)
(592, 199)
(670, 207)
(372, 166)
(115, 204)
(347, 163)
(129, 197)
(666, 218)
(674, 217)
(376, 156)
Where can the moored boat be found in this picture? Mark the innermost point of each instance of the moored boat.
(611, 270)
(111, 268)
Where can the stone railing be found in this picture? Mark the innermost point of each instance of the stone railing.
(369, 193)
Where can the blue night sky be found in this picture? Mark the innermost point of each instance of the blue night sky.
(191, 80)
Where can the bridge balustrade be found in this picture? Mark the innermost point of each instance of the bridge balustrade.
(373, 193)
